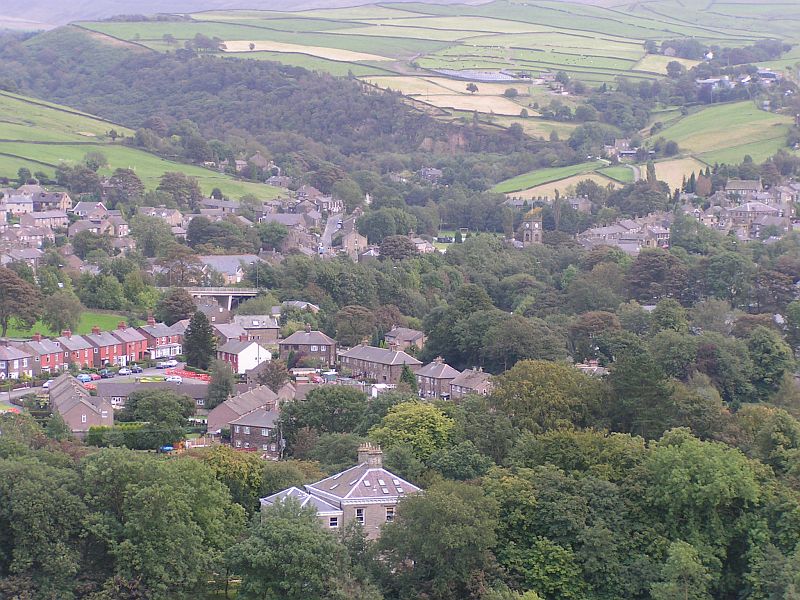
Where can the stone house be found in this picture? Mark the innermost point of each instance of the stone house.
(54, 219)
(403, 338)
(470, 382)
(377, 364)
(237, 406)
(263, 329)
(257, 431)
(366, 493)
(15, 362)
(434, 379)
(314, 345)
(79, 409)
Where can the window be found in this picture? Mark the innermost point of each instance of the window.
(246, 430)
(264, 431)
(236, 429)
(95, 350)
(333, 522)
(314, 348)
(238, 444)
(389, 514)
(265, 447)
(323, 348)
(83, 418)
(247, 444)
(36, 358)
(201, 402)
(360, 516)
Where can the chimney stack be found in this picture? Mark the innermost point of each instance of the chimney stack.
(95, 330)
(308, 328)
(151, 320)
(370, 455)
(243, 337)
(122, 325)
(37, 337)
(66, 333)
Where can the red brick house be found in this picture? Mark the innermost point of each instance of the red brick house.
(162, 341)
(77, 350)
(134, 344)
(106, 349)
(48, 356)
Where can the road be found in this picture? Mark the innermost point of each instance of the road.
(331, 227)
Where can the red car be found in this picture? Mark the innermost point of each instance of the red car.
(95, 376)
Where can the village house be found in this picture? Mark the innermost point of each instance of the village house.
(85, 210)
(423, 246)
(116, 393)
(171, 216)
(313, 345)
(29, 256)
(470, 381)
(243, 355)
(212, 309)
(15, 363)
(263, 329)
(377, 364)
(227, 332)
(257, 431)
(161, 341)
(237, 406)
(79, 409)
(44, 201)
(53, 219)
(18, 204)
(742, 187)
(403, 338)
(77, 350)
(366, 494)
(106, 349)
(232, 267)
(134, 343)
(434, 379)
(97, 227)
(48, 355)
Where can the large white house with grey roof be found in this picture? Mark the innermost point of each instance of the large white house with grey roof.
(366, 493)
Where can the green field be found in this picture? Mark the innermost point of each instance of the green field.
(39, 136)
(105, 321)
(540, 176)
(619, 173)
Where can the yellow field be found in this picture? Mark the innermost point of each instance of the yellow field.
(329, 53)
(673, 171)
(411, 86)
(656, 63)
(484, 104)
(548, 190)
(538, 127)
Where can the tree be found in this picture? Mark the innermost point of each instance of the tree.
(199, 342)
(274, 375)
(61, 311)
(397, 247)
(422, 427)
(175, 305)
(152, 234)
(326, 409)
(95, 160)
(408, 379)
(184, 190)
(286, 555)
(85, 243)
(354, 324)
(272, 235)
(517, 338)
(771, 359)
(57, 429)
(18, 300)
(669, 314)
(539, 395)
(181, 266)
(439, 544)
(511, 93)
(223, 383)
(675, 69)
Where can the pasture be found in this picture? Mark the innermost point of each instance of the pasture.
(542, 176)
(104, 320)
(564, 186)
(40, 136)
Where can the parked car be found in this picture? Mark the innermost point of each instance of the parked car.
(47, 383)
(95, 376)
(161, 365)
(174, 379)
(170, 363)
(83, 377)
(136, 369)
(124, 371)
(106, 374)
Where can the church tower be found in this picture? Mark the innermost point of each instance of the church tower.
(532, 228)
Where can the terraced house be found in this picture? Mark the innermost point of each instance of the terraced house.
(48, 355)
(377, 364)
(15, 362)
(77, 350)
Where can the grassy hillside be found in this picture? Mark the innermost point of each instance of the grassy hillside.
(40, 135)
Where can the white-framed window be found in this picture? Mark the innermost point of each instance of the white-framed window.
(36, 359)
(323, 348)
(95, 350)
(360, 517)
(265, 447)
(236, 429)
(314, 348)
(333, 522)
(246, 430)
(201, 402)
(264, 431)
(247, 444)
(238, 444)
(83, 418)
(389, 514)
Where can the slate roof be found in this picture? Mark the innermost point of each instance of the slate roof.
(229, 264)
(380, 356)
(251, 400)
(235, 346)
(157, 330)
(256, 321)
(404, 334)
(258, 418)
(129, 334)
(438, 370)
(229, 330)
(44, 346)
(301, 338)
(305, 499)
(74, 343)
(104, 338)
(13, 353)
(362, 482)
(471, 379)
